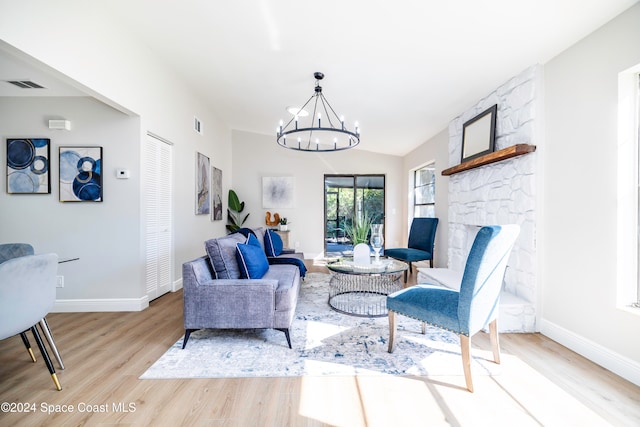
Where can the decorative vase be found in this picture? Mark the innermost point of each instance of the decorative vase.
(284, 227)
(377, 239)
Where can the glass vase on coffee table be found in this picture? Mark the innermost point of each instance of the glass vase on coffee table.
(377, 240)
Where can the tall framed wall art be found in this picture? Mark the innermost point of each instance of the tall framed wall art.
(81, 174)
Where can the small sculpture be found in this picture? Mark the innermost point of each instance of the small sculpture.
(274, 222)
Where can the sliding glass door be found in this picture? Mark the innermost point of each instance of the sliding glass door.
(351, 203)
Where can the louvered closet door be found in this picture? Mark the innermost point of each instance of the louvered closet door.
(157, 193)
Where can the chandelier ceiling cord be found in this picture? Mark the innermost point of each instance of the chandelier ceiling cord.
(311, 135)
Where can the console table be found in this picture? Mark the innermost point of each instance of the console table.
(361, 290)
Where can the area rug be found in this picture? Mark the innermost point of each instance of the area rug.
(324, 342)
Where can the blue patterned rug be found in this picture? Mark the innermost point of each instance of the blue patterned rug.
(324, 342)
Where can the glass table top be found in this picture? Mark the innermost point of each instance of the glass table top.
(383, 266)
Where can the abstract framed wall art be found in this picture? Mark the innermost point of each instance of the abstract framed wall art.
(81, 174)
(277, 192)
(216, 194)
(203, 192)
(28, 162)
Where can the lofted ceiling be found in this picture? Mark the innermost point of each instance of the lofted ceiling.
(403, 69)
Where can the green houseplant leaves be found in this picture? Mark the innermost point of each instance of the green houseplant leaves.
(234, 212)
(358, 230)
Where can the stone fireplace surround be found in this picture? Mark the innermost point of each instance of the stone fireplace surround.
(497, 194)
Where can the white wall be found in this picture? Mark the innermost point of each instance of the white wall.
(435, 149)
(256, 155)
(580, 198)
(84, 48)
(504, 192)
(85, 230)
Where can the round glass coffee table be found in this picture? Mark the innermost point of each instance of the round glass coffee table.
(361, 290)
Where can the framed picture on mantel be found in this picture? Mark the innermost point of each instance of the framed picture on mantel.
(479, 135)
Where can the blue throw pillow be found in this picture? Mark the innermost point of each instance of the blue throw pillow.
(252, 261)
(272, 243)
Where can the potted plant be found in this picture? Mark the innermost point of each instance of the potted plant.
(358, 230)
(234, 213)
(284, 224)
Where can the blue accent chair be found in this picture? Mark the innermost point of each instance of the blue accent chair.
(422, 235)
(469, 310)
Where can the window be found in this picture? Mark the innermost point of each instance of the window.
(348, 198)
(424, 191)
(628, 198)
(637, 130)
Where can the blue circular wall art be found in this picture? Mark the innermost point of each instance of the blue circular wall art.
(80, 174)
(28, 166)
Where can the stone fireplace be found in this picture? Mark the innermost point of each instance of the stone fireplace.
(502, 193)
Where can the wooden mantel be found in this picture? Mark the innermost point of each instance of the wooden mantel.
(496, 156)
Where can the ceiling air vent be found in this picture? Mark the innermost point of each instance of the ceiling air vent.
(25, 84)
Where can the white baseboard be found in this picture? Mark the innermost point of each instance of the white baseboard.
(177, 285)
(616, 363)
(108, 304)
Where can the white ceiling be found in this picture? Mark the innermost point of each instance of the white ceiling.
(403, 69)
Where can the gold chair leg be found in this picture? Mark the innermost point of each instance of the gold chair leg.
(392, 330)
(465, 346)
(56, 382)
(495, 341)
(27, 344)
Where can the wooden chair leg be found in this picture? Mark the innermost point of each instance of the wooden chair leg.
(392, 330)
(424, 328)
(495, 341)
(465, 346)
(45, 356)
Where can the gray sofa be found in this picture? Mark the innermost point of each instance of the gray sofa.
(215, 296)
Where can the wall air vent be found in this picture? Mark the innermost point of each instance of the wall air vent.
(25, 84)
(197, 126)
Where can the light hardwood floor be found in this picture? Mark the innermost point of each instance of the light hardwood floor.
(541, 383)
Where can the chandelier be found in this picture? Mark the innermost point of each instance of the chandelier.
(320, 131)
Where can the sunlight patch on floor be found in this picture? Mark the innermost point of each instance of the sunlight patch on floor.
(519, 395)
(368, 401)
(545, 399)
(317, 332)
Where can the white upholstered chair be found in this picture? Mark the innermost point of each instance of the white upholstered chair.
(27, 294)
